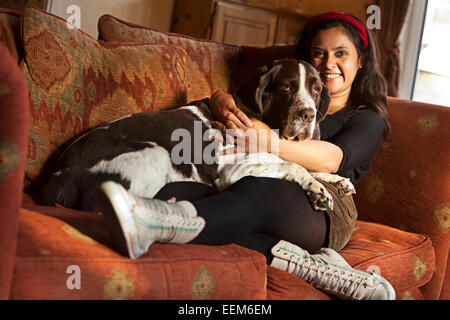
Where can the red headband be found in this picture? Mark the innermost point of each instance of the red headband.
(345, 17)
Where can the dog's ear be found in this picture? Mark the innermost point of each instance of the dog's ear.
(252, 92)
(324, 104)
(267, 74)
(316, 132)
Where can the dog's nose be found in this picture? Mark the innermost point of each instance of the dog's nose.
(307, 115)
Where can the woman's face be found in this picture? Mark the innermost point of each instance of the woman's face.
(335, 56)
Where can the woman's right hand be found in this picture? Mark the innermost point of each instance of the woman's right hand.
(226, 114)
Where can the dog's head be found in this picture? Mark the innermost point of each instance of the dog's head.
(291, 97)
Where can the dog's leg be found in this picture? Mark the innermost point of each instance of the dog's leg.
(343, 185)
(319, 196)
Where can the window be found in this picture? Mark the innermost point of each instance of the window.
(433, 76)
(425, 76)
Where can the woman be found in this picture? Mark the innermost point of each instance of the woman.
(259, 212)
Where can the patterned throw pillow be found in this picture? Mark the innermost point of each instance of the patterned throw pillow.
(211, 64)
(77, 83)
(9, 32)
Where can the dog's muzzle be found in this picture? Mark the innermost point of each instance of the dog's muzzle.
(300, 125)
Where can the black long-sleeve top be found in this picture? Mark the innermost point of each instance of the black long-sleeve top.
(359, 133)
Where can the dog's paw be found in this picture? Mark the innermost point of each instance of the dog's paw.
(345, 187)
(320, 197)
(221, 184)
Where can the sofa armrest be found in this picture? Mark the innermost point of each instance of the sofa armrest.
(408, 185)
(13, 146)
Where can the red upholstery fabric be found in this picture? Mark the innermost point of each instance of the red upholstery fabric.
(13, 143)
(48, 246)
(405, 259)
(408, 185)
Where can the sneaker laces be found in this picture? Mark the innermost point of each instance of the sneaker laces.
(330, 277)
(169, 222)
(170, 215)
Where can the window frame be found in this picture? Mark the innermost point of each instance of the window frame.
(410, 44)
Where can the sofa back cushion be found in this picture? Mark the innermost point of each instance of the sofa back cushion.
(10, 32)
(77, 83)
(212, 64)
(253, 57)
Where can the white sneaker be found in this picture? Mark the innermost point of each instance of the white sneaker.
(328, 271)
(136, 223)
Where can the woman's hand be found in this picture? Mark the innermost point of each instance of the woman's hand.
(259, 138)
(227, 114)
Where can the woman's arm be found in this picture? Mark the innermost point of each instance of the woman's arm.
(313, 155)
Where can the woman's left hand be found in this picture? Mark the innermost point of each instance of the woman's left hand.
(259, 138)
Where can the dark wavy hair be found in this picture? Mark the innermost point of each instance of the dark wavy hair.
(369, 86)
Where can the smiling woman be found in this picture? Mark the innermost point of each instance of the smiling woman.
(337, 60)
(347, 54)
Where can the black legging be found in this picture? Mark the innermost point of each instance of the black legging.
(255, 213)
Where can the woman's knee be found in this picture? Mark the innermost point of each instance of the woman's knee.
(251, 185)
(272, 185)
(270, 190)
(249, 181)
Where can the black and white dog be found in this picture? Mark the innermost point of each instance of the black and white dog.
(143, 151)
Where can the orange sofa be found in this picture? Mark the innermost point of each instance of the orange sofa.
(56, 82)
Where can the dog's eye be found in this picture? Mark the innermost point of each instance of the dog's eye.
(316, 89)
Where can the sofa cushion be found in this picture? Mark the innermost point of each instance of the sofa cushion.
(10, 32)
(49, 250)
(77, 83)
(405, 259)
(212, 63)
(408, 185)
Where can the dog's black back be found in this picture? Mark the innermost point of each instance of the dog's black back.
(74, 185)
